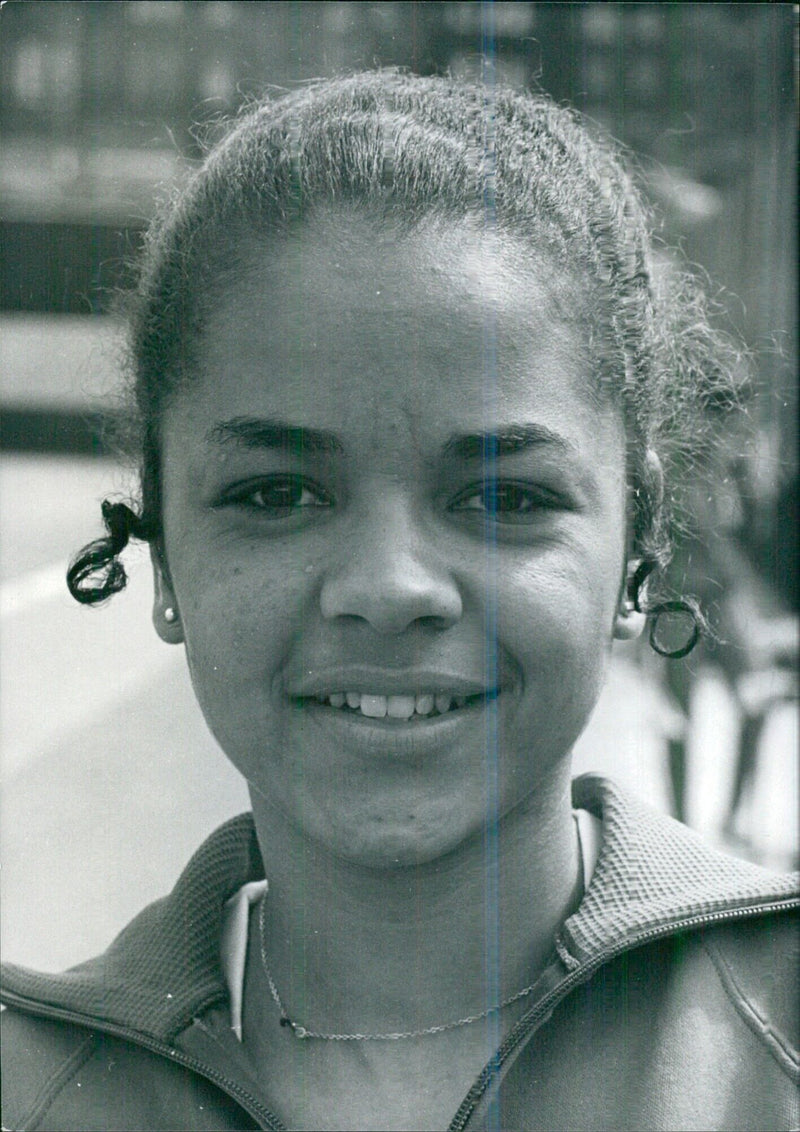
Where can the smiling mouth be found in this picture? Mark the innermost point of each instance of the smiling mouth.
(403, 707)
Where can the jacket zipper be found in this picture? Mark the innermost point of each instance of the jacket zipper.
(246, 1100)
(528, 1024)
(524, 1028)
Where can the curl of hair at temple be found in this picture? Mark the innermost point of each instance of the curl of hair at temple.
(657, 611)
(96, 572)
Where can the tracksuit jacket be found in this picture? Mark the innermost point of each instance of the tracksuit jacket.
(670, 1002)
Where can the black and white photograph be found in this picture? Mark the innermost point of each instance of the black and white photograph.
(398, 566)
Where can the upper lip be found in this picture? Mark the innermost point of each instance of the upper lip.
(385, 682)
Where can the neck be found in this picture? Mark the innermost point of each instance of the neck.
(366, 949)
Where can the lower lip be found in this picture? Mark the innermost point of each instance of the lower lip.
(413, 737)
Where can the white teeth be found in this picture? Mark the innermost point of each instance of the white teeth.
(374, 706)
(395, 707)
(423, 705)
(400, 707)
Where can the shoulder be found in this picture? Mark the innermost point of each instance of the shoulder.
(757, 961)
(40, 1059)
(85, 1048)
(61, 1077)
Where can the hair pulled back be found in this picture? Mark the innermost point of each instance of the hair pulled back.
(416, 148)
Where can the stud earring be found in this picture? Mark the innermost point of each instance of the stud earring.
(170, 615)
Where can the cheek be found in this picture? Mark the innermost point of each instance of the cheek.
(555, 619)
(240, 620)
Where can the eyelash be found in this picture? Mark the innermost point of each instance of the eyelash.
(246, 496)
(526, 501)
(498, 500)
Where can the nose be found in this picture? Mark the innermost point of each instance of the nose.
(391, 576)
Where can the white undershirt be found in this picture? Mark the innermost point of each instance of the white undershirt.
(236, 914)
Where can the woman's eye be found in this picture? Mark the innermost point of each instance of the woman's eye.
(504, 501)
(280, 495)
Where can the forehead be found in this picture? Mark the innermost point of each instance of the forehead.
(351, 321)
(345, 259)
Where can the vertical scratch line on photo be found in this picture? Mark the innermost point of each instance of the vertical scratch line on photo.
(492, 960)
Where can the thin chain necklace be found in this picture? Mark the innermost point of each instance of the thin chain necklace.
(301, 1032)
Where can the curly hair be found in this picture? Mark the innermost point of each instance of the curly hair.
(411, 148)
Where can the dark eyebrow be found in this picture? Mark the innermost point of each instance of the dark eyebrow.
(258, 432)
(503, 442)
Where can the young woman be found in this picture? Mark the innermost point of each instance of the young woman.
(412, 396)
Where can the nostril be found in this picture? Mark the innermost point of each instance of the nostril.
(392, 604)
(436, 621)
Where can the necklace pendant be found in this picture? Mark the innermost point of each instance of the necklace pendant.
(299, 1032)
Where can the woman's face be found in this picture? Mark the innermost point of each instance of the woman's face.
(395, 528)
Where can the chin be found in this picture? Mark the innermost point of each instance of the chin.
(392, 848)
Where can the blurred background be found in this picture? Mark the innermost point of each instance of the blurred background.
(110, 779)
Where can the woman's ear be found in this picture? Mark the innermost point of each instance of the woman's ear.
(629, 623)
(166, 615)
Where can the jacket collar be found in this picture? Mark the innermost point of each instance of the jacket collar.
(653, 875)
(164, 968)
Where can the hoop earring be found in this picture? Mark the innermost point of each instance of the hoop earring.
(673, 607)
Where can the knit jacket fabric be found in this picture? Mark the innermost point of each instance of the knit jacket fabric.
(670, 1002)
